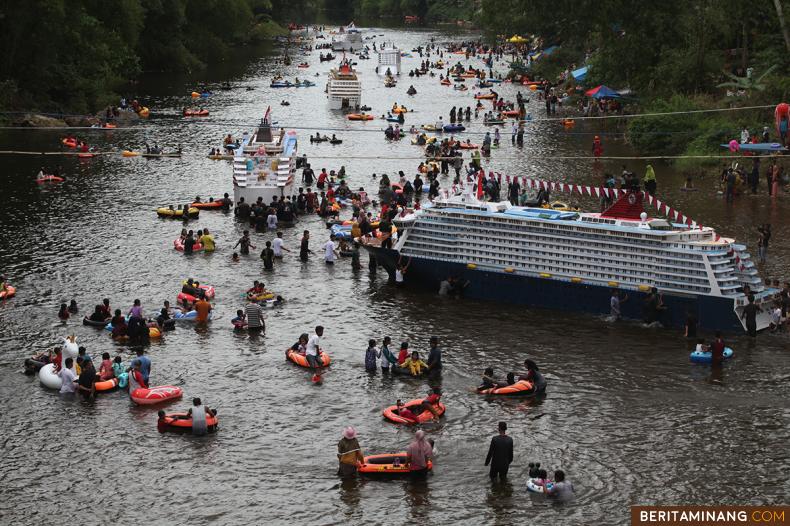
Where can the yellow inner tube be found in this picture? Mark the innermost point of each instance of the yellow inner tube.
(166, 212)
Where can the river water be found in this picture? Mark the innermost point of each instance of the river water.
(626, 416)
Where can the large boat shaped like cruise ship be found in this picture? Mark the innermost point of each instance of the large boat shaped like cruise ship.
(573, 261)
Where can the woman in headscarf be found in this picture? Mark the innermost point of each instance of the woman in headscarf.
(349, 454)
(418, 454)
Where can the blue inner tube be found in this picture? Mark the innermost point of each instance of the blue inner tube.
(706, 357)
(453, 127)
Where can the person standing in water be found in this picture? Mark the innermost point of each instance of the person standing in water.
(304, 247)
(500, 454)
(245, 242)
(418, 454)
(277, 246)
(750, 316)
(434, 359)
(614, 305)
(349, 453)
(267, 255)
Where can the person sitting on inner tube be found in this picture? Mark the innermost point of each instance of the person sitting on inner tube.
(118, 324)
(98, 314)
(163, 317)
(534, 376)
(414, 364)
(105, 368)
(191, 288)
(301, 345)
(404, 412)
(541, 479)
(431, 402)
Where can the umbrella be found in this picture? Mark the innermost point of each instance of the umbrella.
(516, 39)
(602, 92)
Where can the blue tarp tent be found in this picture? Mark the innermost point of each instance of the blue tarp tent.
(579, 74)
(549, 50)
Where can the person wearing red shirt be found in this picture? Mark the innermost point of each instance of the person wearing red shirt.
(431, 402)
(404, 353)
(717, 350)
(405, 412)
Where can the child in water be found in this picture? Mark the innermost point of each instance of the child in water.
(63, 313)
(240, 321)
(414, 364)
(370, 357)
(73, 307)
(701, 347)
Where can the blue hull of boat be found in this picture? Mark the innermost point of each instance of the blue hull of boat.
(713, 313)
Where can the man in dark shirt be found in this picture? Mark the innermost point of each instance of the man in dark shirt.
(308, 175)
(87, 378)
(500, 454)
(434, 358)
(304, 248)
(750, 316)
(243, 209)
(267, 255)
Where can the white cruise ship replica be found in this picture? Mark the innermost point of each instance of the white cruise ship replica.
(389, 61)
(573, 261)
(264, 164)
(344, 89)
(349, 39)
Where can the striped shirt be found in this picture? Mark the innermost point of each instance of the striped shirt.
(254, 316)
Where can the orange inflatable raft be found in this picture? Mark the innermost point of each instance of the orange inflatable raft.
(195, 113)
(301, 360)
(424, 416)
(106, 385)
(183, 422)
(156, 395)
(178, 244)
(484, 96)
(522, 387)
(209, 205)
(360, 117)
(390, 465)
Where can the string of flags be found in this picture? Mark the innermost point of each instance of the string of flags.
(583, 190)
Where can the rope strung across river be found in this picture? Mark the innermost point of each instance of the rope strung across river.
(537, 119)
(409, 157)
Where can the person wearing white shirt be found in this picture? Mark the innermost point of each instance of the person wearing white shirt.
(68, 377)
(313, 347)
(277, 246)
(330, 249)
(271, 220)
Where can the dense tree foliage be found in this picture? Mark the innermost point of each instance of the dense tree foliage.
(653, 47)
(68, 55)
(675, 56)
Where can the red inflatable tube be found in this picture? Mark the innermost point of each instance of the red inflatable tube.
(156, 395)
